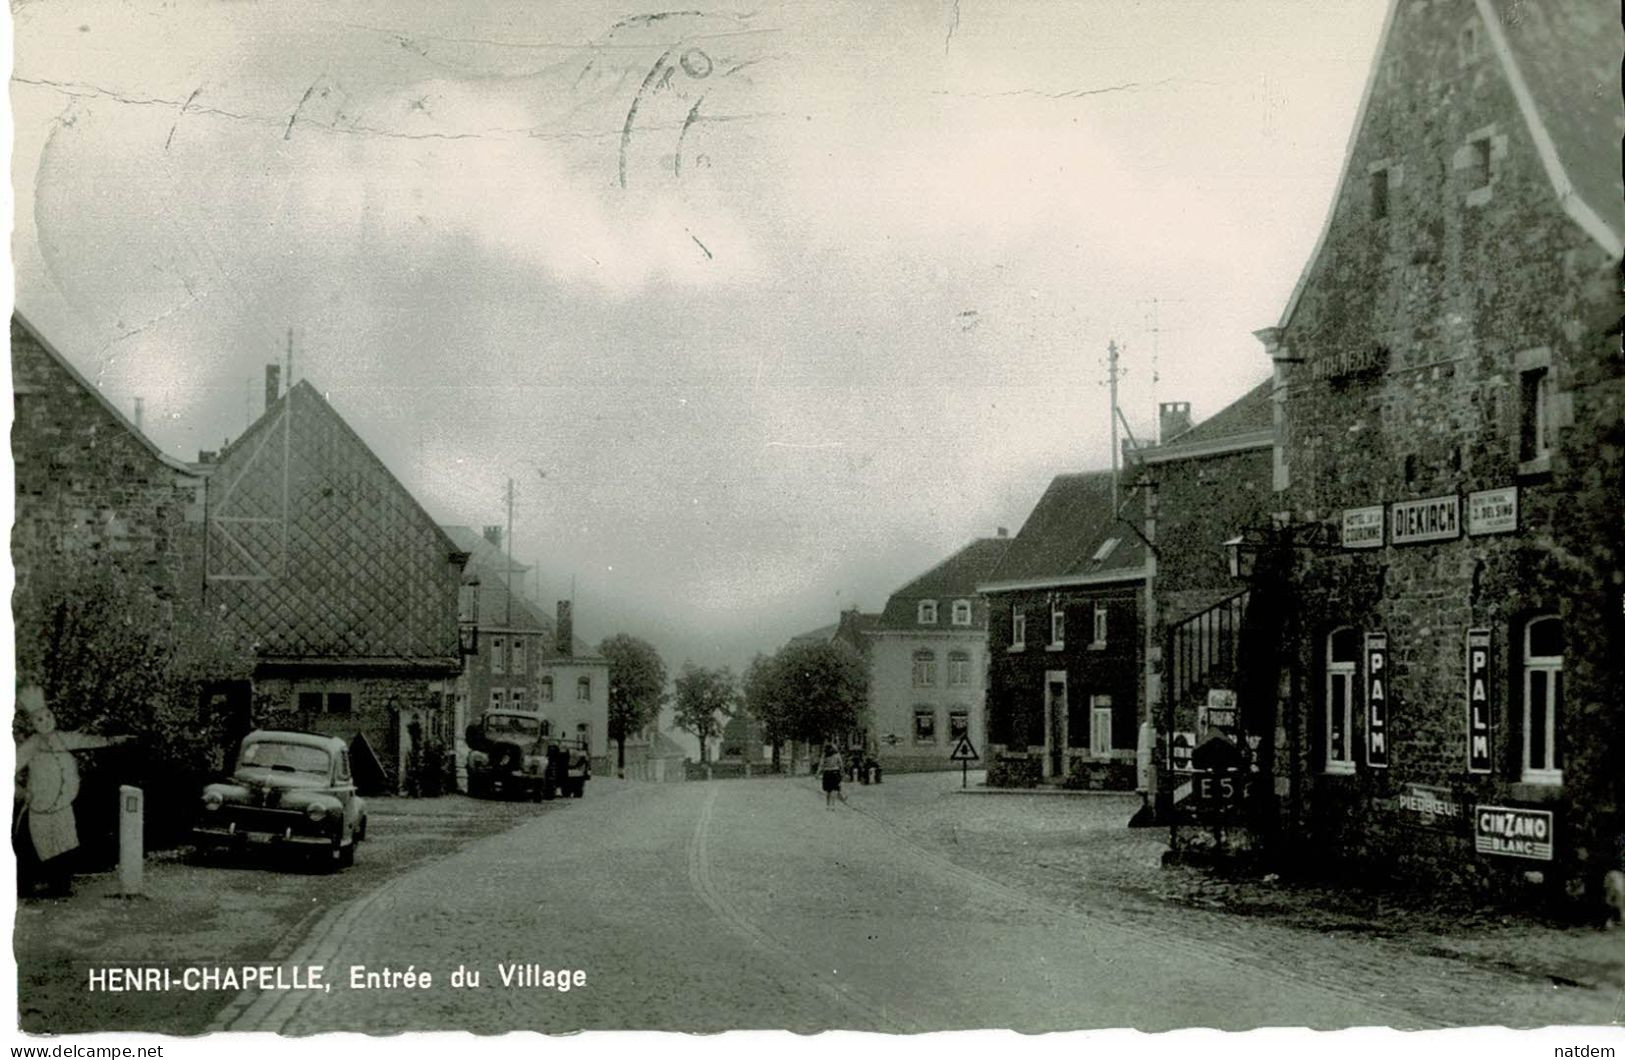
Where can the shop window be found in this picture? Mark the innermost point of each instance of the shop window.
(1342, 656)
(546, 693)
(1018, 629)
(1542, 700)
(928, 612)
(925, 725)
(583, 689)
(962, 613)
(958, 669)
(925, 669)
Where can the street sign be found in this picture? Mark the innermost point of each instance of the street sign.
(1182, 745)
(963, 751)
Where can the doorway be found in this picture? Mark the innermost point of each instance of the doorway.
(1055, 723)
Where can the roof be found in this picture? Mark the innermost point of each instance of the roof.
(1065, 539)
(822, 633)
(1562, 63)
(1247, 422)
(954, 578)
(20, 322)
(482, 553)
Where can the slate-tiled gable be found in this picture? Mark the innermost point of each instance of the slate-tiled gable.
(1069, 525)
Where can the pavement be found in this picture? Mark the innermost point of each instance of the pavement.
(747, 904)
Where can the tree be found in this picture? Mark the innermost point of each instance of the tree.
(765, 701)
(637, 688)
(822, 690)
(705, 700)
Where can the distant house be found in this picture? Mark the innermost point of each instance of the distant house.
(346, 587)
(926, 652)
(1066, 613)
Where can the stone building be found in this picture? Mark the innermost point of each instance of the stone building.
(347, 589)
(926, 652)
(1449, 406)
(1065, 643)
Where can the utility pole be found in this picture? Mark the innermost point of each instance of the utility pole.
(1112, 374)
(508, 540)
(289, 372)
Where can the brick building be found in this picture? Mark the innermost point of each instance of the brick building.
(1066, 614)
(1450, 400)
(346, 587)
(926, 652)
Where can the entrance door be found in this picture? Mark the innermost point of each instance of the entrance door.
(1055, 723)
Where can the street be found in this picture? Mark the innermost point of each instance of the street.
(745, 904)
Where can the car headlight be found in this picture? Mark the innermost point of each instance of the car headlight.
(316, 811)
(212, 800)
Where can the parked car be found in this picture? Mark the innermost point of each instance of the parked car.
(289, 789)
(514, 753)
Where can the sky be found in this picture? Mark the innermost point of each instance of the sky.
(765, 308)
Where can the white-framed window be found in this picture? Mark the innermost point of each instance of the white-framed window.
(1342, 660)
(1057, 624)
(958, 669)
(546, 692)
(499, 655)
(1543, 700)
(516, 698)
(962, 613)
(928, 612)
(1100, 725)
(326, 703)
(1535, 420)
(583, 689)
(1100, 627)
(1107, 547)
(925, 725)
(517, 663)
(958, 723)
(499, 698)
(925, 669)
(1018, 629)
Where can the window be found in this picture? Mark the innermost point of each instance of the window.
(583, 689)
(1542, 700)
(1057, 624)
(1483, 151)
(546, 694)
(958, 724)
(310, 702)
(961, 612)
(958, 669)
(325, 703)
(1100, 627)
(1379, 194)
(1100, 726)
(1106, 548)
(928, 612)
(1534, 413)
(925, 725)
(925, 669)
(516, 698)
(1468, 44)
(499, 656)
(338, 702)
(1342, 652)
(499, 698)
(517, 663)
(1018, 629)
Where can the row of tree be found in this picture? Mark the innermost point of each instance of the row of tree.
(812, 692)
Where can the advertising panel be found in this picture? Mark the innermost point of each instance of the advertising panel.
(1478, 701)
(1430, 519)
(1512, 832)
(1376, 721)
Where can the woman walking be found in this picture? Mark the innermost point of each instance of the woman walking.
(831, 767)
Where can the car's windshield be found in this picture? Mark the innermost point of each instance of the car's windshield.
(511, 724)
(285, 757)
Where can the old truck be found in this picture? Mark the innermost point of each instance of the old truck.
(514, 753)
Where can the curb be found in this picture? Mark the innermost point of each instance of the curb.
(1042, 792)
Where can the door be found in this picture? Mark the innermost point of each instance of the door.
(1055, 723)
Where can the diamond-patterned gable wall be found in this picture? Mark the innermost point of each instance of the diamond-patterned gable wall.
(366, 573)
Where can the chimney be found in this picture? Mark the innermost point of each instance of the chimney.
(1004, 531)
(206, 456)
(273, 383)
(493, 534)
(1173, 418)
(565, 634)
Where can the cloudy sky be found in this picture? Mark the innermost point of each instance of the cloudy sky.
(765, 308)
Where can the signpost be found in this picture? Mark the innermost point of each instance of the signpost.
(964, 754)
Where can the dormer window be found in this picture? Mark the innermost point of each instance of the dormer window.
(928, 612)
(1106, 548)
(961, 612)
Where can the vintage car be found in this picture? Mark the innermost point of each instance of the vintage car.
(514, 753)
(289, 789)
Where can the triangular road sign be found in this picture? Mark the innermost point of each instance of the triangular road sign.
(964, 752)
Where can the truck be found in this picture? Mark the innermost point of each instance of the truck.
(515, 754)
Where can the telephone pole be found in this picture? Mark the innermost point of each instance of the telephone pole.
(1112, 375)
(508, 541)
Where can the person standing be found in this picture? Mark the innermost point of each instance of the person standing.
(45, 832)
(831, 766)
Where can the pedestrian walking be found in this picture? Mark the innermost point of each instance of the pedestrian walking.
(44, 830)
(831, 767)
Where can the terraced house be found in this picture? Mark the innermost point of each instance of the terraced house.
(1449, 459)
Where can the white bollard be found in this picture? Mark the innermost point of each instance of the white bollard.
(131, 856)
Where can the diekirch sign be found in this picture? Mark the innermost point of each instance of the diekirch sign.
(1431, 519)
(1376, 722)
(1478, 701)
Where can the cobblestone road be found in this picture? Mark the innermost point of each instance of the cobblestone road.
(744, 904)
